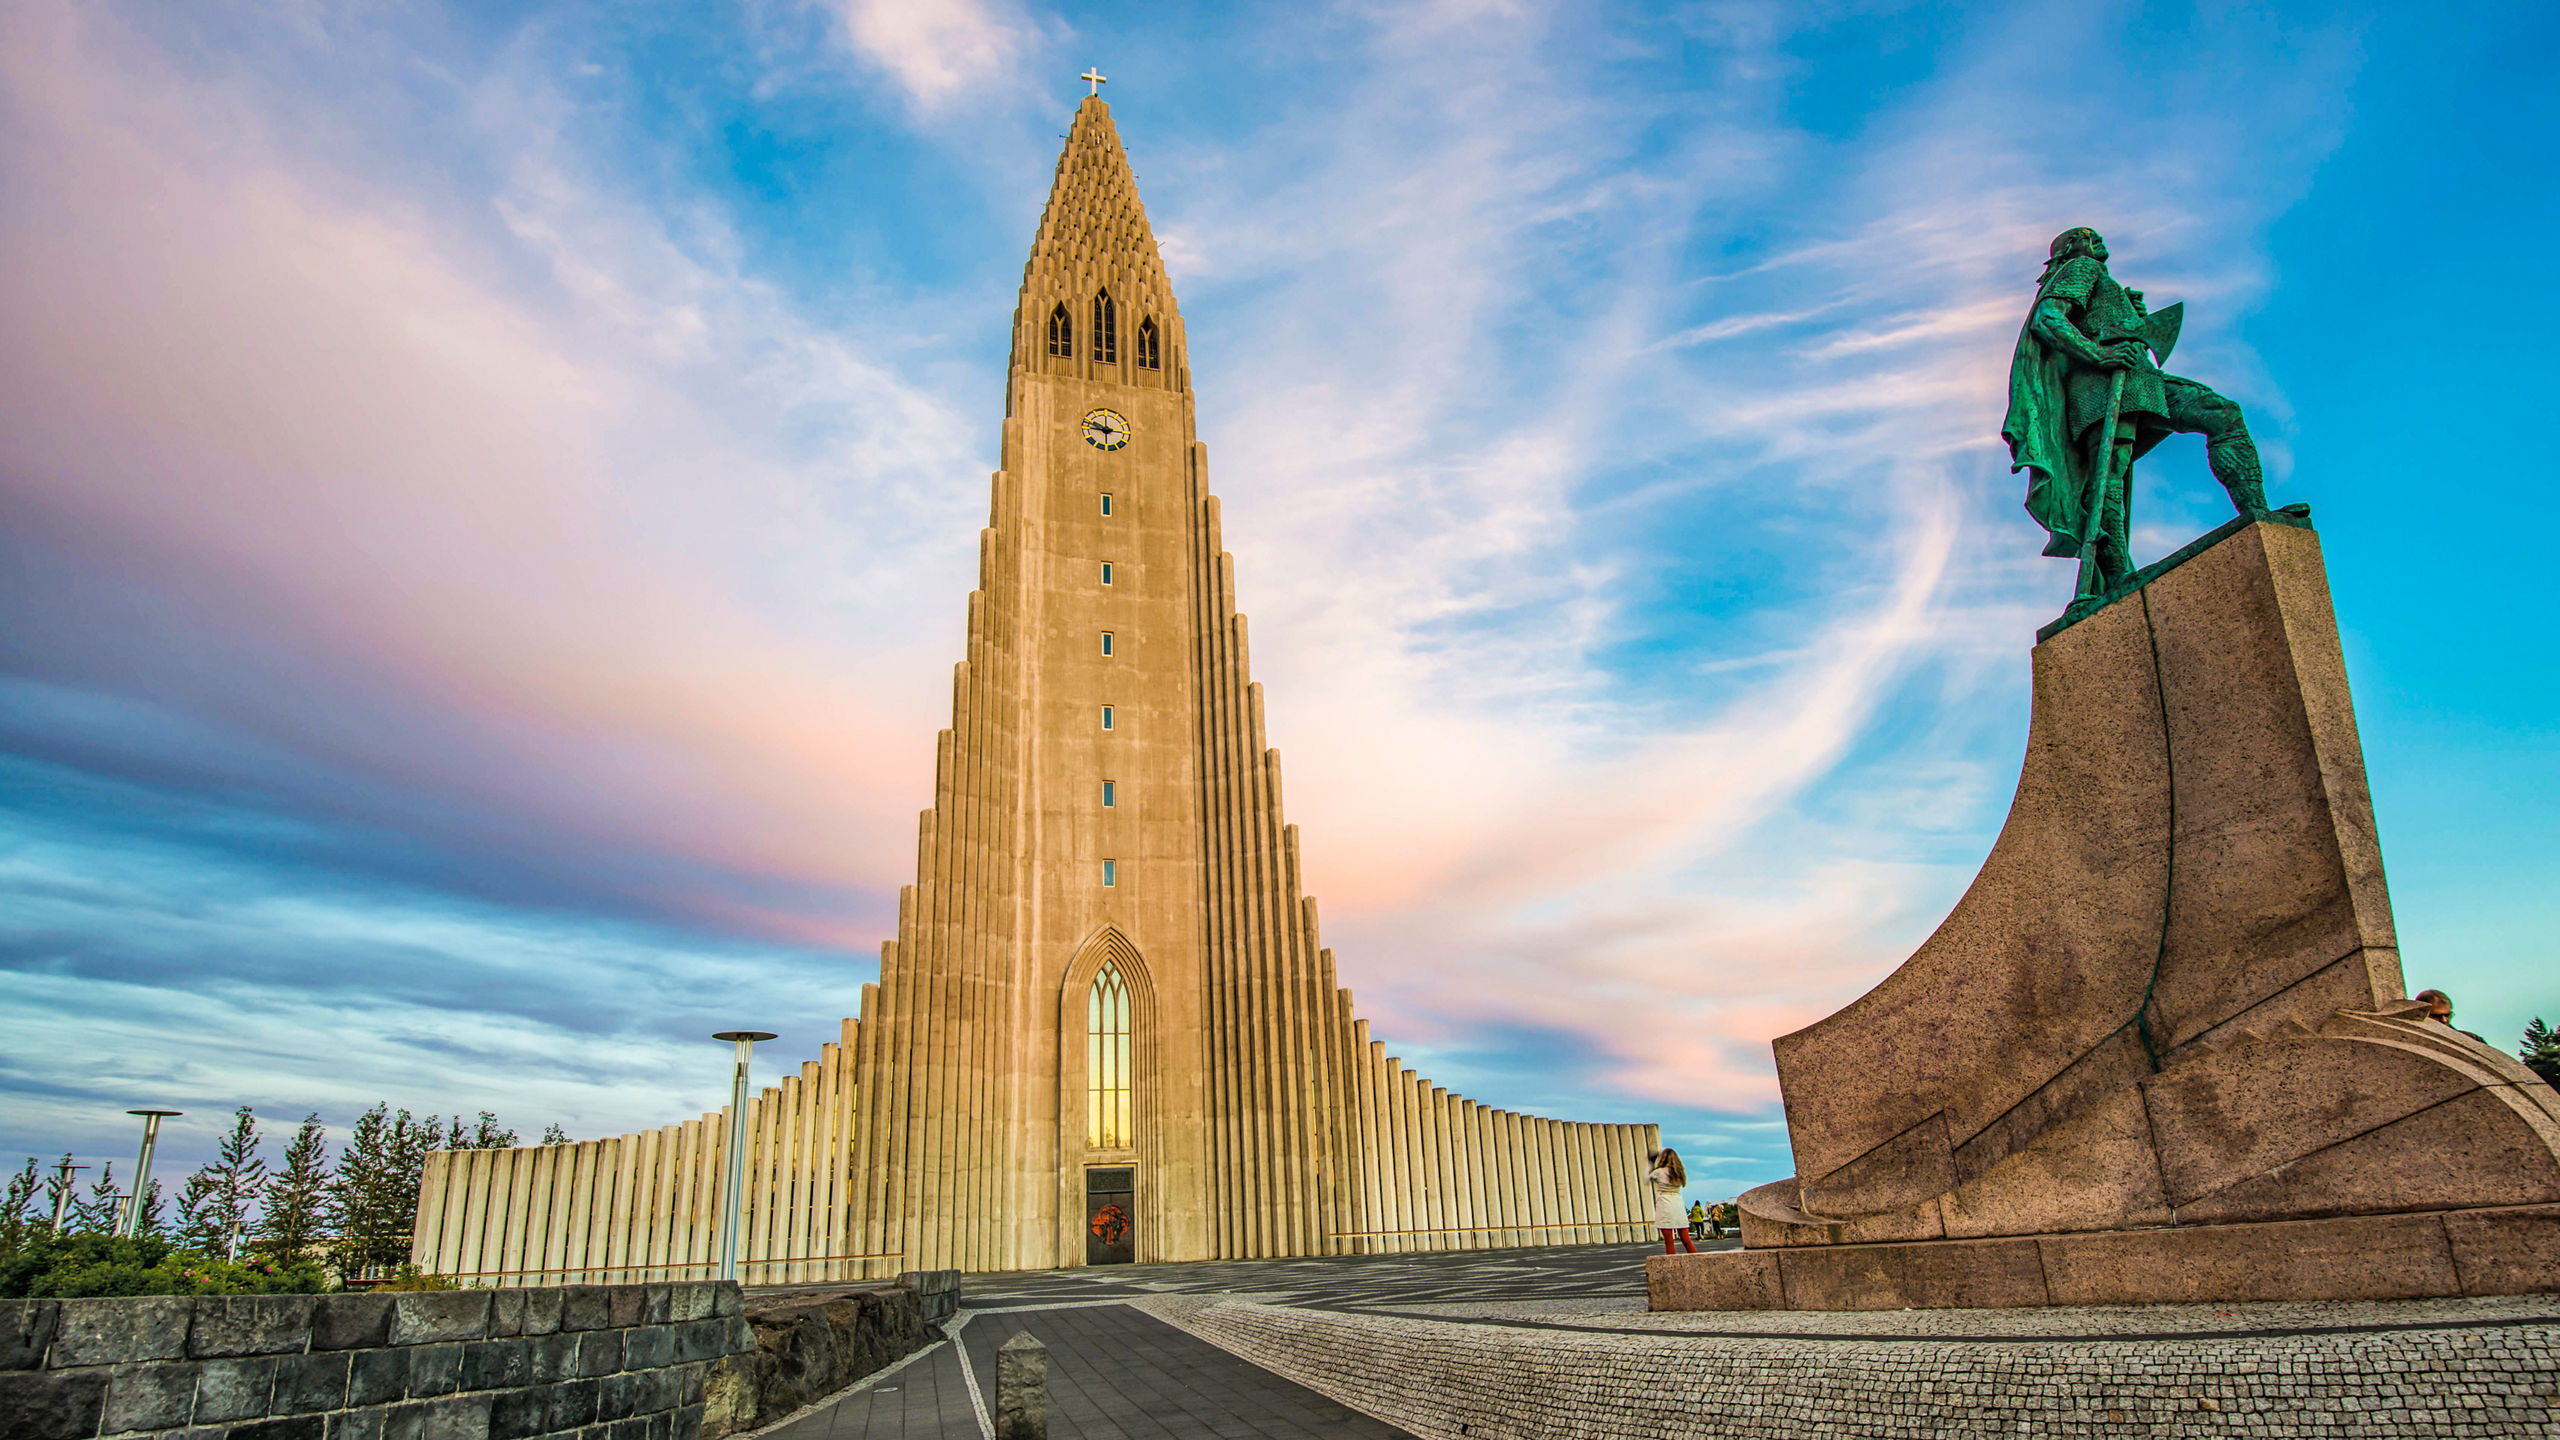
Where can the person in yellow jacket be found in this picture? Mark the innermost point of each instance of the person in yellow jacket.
(1697, 1219)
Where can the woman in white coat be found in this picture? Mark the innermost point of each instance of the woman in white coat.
(1668, 1179)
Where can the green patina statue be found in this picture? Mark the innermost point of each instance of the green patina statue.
(2087, 398)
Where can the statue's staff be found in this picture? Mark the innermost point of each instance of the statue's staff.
(2102, 455)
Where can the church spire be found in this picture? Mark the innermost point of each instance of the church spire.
(1095, 300)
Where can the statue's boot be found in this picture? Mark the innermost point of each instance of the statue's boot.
(2234, 460)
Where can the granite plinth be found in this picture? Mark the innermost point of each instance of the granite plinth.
(2424, 1255)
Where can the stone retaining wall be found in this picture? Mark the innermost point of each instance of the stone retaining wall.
(1442, 1381)
(811, 1343)
(601, 1362)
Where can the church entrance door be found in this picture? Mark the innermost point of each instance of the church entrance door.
(1110, 1221)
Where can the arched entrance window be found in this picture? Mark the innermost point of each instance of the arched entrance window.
(1110, 1090)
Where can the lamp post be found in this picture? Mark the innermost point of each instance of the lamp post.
(142, 1168)
(745, 1040)
(62, 1195)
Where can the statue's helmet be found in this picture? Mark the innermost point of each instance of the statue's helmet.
(2074, 241)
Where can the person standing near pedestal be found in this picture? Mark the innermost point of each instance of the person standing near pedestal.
(1668, 1179)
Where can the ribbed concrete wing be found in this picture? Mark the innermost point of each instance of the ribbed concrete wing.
(1105, 797)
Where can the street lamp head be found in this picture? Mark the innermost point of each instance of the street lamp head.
(736, 1035)
(155, 1112)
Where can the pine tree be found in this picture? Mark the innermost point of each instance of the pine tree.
(98, 1213)
(374, 1198)
(221, 1199)
(487, 1135)
(2541, 1052)
(552, 1134)
(18, 1215)
(152, 1208)
(290, 1223)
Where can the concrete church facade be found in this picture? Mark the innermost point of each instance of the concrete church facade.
(1107, 1029)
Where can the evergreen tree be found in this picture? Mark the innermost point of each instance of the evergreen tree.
(201, 1226)
(97, 1214)
(221, 1199)
(487, 1135)
(18, 1216)
(374, 1197)
(290, 1223)
(2541, 1052)
(552, 1134)
(152, 1217)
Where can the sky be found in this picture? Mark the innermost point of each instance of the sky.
(487, 494)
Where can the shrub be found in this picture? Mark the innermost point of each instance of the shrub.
(410, 1277)
(72, 1266)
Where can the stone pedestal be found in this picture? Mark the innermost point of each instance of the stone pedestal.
(2160, 1050)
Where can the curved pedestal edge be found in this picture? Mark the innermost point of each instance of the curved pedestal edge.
(2509, 1250)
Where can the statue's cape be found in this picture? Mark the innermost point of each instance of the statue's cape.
(2039, 434)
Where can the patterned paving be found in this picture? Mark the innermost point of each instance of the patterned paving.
(1113, 1372)
(1116, 1371)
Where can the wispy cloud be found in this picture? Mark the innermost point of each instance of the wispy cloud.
(939, 51)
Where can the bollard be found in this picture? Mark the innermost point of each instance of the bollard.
(1022, 1389)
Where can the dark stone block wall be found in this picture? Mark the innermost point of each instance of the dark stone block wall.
(598, 1362)
(811, 1343)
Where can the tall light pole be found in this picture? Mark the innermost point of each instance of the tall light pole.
(142, 1168)
(62, 1196)
(745, 1040)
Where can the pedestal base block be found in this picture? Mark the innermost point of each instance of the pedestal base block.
(2505, 1251)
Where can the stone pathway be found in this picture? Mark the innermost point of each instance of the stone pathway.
(1114, 1372)
(1541, 1344)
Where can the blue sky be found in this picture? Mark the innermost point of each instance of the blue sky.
(486, 496)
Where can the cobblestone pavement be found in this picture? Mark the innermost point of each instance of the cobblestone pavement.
(1443, 1380)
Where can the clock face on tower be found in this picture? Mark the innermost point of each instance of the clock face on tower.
(1106, 429)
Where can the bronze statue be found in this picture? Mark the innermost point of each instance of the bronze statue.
(2087, 398)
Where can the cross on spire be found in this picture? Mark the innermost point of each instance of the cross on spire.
(1098, 80)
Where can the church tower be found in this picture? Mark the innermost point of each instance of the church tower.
(1106, 1029)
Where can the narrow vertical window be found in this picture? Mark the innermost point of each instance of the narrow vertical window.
(1106, 503)
(1106, 572)
(1062, 332)
(1108, 1086)
(1110, 795)
(1150, 349)
(1110, 872)
(1106, 717)
(1106, 642)
(1106, 329)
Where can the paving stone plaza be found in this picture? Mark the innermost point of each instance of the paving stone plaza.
(1557, 1342)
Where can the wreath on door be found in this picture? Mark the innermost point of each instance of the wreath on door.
(1110, 1224)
